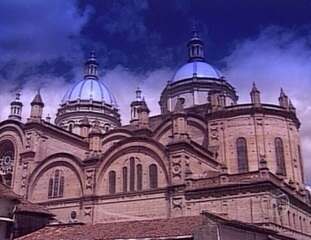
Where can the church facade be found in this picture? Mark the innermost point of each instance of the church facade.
(204, 152)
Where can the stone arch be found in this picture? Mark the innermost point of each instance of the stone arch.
(162, 129)
(198, 129)
(56, 160)
(134, 145)
(196, 125)
(114, 136)
(13, 134)
(12, 128)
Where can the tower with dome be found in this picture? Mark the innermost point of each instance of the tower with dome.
(205, 152)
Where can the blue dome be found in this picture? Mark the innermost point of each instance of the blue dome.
(90, 89)
(196, 69)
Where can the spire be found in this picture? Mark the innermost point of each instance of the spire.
(36, 107)
(37, 100)
(195, 46)
(139, 111)
(16, 108)
(138, 94)
(90, 68)
(291, 106)
(254, 88)
(283, 99)
(282, 93)
(255, 95)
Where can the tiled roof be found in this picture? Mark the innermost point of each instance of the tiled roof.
(27, 207)
(153, 229)
(23, 205)
(7, 193)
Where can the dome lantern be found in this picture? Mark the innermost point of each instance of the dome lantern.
(90, 98)
(195, 47)
(195, 80)
(90, 68)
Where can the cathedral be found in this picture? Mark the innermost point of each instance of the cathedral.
(205, 152)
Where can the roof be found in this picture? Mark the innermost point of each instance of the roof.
(27, 207)
(23, 205)
(37, 100)
(90, 89)
(7, 193)
(172, 227)
(197, 69)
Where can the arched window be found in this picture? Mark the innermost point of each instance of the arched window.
(70, 127)
(288, 218)
(124, 175)
(153, 176)
(106, 127)
(279, 155)
(61, 186)
(132, 174)
(241, 147)
(112, 182)
(139, 169)
(50, 192)
(56, 184)
(7, 154)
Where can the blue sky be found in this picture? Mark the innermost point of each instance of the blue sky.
(44, 44)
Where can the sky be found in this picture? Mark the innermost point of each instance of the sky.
(43, 44)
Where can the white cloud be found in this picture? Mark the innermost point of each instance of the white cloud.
(276, 58)
(124, 83)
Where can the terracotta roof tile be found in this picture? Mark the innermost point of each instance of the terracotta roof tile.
(182, 226)
(7, 193)
(23, 205)
(26, 206)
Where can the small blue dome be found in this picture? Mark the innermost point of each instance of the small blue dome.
(198, 69)
(90, 89)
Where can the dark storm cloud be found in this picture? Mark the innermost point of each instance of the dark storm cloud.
(124, 33)
(38, 37)
(37, 29)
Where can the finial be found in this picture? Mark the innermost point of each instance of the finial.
(138, 94)
(254, 85)
(92, 56)
(282, 93)
(195, 32)
(254, 88)
(18, 96)
(48, 118)
(291, 105)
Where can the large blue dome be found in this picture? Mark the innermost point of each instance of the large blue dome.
(90, 89)
(197, 69)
